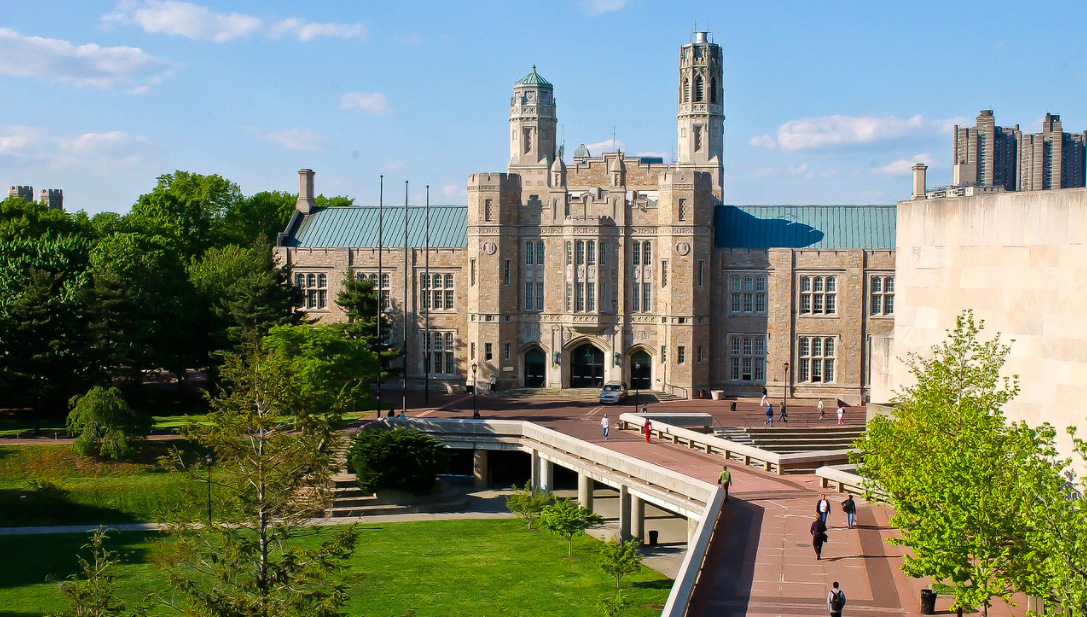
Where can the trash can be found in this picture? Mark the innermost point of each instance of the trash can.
(732, 406)
(653, 537)
(928, 602)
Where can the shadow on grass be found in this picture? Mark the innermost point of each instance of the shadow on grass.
(661, 584)
(47, 504)
(52, 558)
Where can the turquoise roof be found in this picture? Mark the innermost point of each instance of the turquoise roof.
(356, 226)
(582, 152)
(804, 227)
(533, 79)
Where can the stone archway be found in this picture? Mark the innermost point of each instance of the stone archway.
(586, 366)
(641, 370)
(535, 368)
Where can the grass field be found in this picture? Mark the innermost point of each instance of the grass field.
(482, 568)
(52, 485)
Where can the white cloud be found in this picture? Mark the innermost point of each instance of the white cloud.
(199, 22)
(103, 153)
(838, 131)
(83, 65)
(599, 7)
(798, 169)
(393, 165)
(453, 191)
(366, 102)
(413, 38)
(608, 145)
(903, 166)
(763, 141)
(666, 156)
(293, 139)
(19, 141)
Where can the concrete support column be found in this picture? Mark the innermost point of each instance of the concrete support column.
(479, 468)
(547, 475)
(624, 513)
(585, 491)
(535, 482)
(692, 528)
(637, 518)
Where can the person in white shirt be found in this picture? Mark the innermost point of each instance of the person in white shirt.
(604, 425)
(819, 407)
(841, 415)
(835, 601)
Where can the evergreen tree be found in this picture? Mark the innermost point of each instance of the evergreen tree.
(359, 300)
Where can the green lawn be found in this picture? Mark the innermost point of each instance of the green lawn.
(52, 485)
(437, 569)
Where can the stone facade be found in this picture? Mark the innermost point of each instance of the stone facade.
(611, 269)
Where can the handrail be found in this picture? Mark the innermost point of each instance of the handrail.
(679, 597)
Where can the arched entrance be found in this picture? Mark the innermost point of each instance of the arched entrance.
(535, 368)
(641, 369)
(586, 367)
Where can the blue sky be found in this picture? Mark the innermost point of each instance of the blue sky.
(825, 102)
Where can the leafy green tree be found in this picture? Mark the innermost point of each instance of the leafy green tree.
(264, 215)
(528, 503)
(20, 219)
(94, 593)
(332, 366)
(954, 470)
(105, 425)
(396, 459)
(359, 300)
(566, 519)
(618, 558)
(188, 208)
(273, 460)
(613, 606)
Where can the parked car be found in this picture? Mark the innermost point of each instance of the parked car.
(613, 393)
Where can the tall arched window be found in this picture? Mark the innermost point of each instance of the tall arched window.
(713, 89)
(698, 90)
(686, 90)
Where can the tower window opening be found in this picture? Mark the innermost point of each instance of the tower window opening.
(686, 90)
(698, 88)
(713, 90)
(528, 140)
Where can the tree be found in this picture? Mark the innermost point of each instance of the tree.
(332, 366)
(264, 215)
(359, 300)
(105, 425)
(613, 606)
(94, 595)
(189, 208)
(397, 459)
(953, 469)
(618, 558)
(528, 503)
(566, 519)
(273, 458)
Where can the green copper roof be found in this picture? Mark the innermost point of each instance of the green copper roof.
(804, 227)
(582, 152)
(356, 227)
(533, 79)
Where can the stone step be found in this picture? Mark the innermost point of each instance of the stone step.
(735, 435)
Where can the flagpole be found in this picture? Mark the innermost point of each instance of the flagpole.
(405, 410)
(380, 249)
(429, 304)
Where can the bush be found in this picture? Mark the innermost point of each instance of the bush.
(398, 459)
(528, 503)
(106, 426)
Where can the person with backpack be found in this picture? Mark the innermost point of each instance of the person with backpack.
(850, 508)
(836, 601)
(783, 415)
(769, 416)
(818, 536)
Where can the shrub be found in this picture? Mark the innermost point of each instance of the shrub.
(566, 519)
(618, 558)
(105, 425)
(398, 459)
(527, 504)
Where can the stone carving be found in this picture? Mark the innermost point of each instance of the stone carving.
(490, 248)
(683, 248)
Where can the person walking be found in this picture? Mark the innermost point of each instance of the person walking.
(604, 425)
(822, 412)
(823, 508)
(835, 601)
(494, 385)
(841, 415)
(725, 479)
(783, 415)
(818, 536)
(762, 402)
(645, 408)
(647, 429)
(850, 508)
(769, 416)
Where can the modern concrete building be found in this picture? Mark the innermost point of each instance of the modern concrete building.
(995, 157)
(617, 267)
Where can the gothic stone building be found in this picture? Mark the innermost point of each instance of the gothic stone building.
(611, 267)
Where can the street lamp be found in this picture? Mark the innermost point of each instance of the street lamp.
(209, 461)
(475, 392)
(785, 396)
(589, 361)
(637, 386)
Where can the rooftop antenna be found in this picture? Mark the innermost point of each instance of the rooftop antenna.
(613, 138)
(562, 143)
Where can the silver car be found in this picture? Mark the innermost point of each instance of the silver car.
(613, 393)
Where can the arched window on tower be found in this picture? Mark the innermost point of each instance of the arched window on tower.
(713, 89)
(698, 90)
(686, 90)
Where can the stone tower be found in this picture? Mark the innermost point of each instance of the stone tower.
(701, 118)
(532, 126)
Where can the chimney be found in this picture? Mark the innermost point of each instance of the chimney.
(305, 203)
(919, 181)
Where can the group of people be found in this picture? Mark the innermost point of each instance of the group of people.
(605, 428)
(783, 414)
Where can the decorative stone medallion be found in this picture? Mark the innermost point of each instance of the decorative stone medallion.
(490, 248)
(683, 248)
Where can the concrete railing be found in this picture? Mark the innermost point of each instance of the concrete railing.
(665, 487)
(844, 479)
(730, 450)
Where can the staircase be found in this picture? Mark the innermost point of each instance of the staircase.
(789, 440)
(735, 435)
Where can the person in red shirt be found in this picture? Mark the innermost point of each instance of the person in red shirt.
(647, 429)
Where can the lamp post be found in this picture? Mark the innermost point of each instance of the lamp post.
(785, 395)
(588, 360)
(637, 386)
(209, 461)
(475, 392)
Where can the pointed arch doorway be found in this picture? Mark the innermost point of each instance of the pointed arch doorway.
(535, 368)
(586, 367)
(641, 370)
